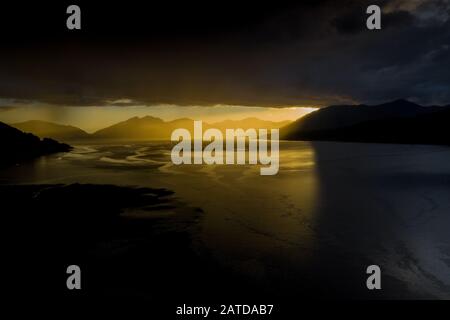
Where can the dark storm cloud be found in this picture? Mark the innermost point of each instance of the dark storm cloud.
(354, 22)
(314, 52)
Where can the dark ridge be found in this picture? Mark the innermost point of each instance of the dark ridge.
(19, 146)
(399, 121)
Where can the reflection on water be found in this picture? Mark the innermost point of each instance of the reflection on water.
(393, 210)
(331, 209)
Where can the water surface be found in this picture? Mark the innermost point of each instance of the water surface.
(333, 209)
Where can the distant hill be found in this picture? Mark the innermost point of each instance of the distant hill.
(44, 129)
(145, 128)
(399, 121)
(151, 128)
(18, 146)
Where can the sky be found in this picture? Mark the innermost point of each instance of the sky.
(283, 55)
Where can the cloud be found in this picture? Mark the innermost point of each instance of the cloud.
(6, 108)
(309, 53)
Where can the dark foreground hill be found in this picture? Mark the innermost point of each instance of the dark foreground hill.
(18, 146)
(400, 121)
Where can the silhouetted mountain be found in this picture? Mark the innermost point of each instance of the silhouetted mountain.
(340, 116)
(400, 121)
(429, 128)
(18, 146)
(151, 128)
(146, 128)
(44, 129)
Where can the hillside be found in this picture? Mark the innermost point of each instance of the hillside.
(396, 122)
(151, 128)
(135, 128)
(18, 146)
(44, 129)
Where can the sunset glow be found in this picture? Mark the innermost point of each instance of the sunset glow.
(95, 118)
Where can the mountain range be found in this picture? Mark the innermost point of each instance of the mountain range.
(400, 121)
(136, 129)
